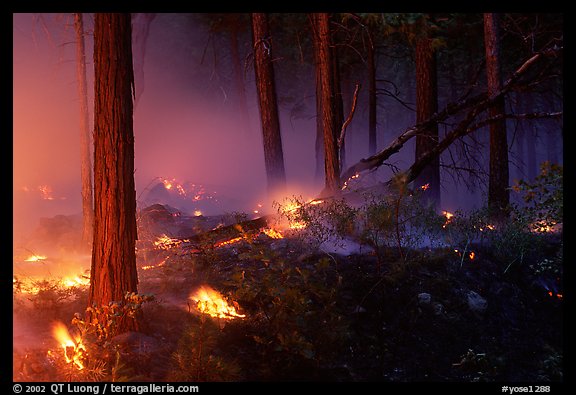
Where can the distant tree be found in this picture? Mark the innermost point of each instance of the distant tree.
(327, 102)
(264, 70)
(86, 162)
(498, 192)
(426, 106)
(113, 271)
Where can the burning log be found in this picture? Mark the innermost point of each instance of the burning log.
(225, 234)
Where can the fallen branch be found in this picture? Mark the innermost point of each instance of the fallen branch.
(479, 102)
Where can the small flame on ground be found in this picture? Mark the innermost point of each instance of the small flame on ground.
(73, 348)
(472, 255)
(197, 213)
(273, 233)
(425, 187)
(35, 258)
(448, 216)
(164, 242)
(211, 302)
(543, 228)
(228, 242)
(76, 281)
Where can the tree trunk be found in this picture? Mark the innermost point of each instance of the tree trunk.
(273, 155)
(498, 193)
(86, 162)
(327, 101)
(426, 106)
(533, 138)
(339, 107)
(319, 143)
(239, 80)
(372, 143)
(113, 270)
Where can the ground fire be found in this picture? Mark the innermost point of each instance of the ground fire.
(211, 302)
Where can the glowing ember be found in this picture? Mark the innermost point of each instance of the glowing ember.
(425, 187)
(273, 233)
(35, 258)
(448, 216)
(164, 242)
(472, 255)
(74, 350)
(355, 176)
(197, 213)
(45, 192)
(540, 227)
(228, 242)
(211, 302)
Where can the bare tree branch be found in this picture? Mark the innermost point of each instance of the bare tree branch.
(350, 116)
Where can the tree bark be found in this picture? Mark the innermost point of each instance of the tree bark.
(322, 36)
(426, 106)
(273, 155)
(498, 193)
(86, 162)
(113, 269)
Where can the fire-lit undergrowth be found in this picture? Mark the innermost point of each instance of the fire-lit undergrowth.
(371, 286)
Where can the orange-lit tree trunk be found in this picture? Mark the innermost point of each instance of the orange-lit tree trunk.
(498, 193)
(86, 162)
(319, 143)
(322, 38)
(426, 106)
(113, 271)
(273, 154)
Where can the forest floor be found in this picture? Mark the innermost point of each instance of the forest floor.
(309, 315)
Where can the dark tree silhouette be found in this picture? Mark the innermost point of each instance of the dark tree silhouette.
(113, 271)
(273, 154)
(86, 162)
(498, 193)
(325, 63)
(426, 106)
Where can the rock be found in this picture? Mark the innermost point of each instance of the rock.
(424, 298)
(476, 302)
(438, 308)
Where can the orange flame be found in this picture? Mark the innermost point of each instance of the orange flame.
(448, 216)
(472, 255)
(228, 242)
(425, 187)
(74, 350)
(211, 302)
(35, 258)
(273, 233)
(164, 242)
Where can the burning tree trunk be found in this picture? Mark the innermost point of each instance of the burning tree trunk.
(86, 163)
(426, 106)
(498, 193)
(322, 38)
(273, 155)
(113, 270)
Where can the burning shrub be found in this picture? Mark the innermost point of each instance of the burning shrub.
(544, 197)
